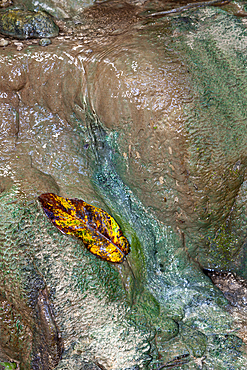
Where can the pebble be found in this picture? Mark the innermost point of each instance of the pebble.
(5, 3)
(44, 42)
(19, 46)
(3, 42)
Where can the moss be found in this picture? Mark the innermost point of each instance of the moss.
(194, 339)
(8, 365)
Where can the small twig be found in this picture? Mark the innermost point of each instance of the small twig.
(186, 7)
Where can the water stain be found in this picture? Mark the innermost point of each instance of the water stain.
(48, 344)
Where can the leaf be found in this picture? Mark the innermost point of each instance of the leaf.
(99, 232)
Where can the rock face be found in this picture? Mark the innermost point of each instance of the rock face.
(146, 120)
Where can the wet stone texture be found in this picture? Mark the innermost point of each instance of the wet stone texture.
(24, 24)
(147, 120)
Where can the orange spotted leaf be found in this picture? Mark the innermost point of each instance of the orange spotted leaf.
(99, 232)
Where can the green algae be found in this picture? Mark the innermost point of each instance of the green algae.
(8, 365)
(194, 339)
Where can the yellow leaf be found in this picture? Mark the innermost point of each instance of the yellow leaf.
(99, 231)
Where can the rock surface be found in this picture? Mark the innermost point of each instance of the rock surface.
(24, 24)
(146, 120)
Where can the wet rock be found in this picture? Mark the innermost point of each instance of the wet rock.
(16, 334)
(47, 346)
(194, 340)
(233, 286)
(91, 366)
(125, 121)
(5, 184)
(57, 8)
(234, 289)
(3, 42)
(19, 46)
(44, 42)
(34, 339)
(168, 330)
(24, 24)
